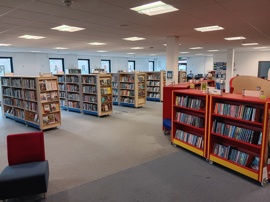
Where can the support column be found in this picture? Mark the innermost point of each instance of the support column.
(229, 70)
(172, 53)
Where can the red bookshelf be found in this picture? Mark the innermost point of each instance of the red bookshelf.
(238, 134)
(190, 120)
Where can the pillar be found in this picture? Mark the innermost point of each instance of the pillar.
(229, 69)
(172, 53)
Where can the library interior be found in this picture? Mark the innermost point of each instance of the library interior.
(141, 100)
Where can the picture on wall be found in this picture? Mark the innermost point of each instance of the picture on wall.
(83, 64)
(5, 65)
(106, 65)
(56, 65)
(131, 66)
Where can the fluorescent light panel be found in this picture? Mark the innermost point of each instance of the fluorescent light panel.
(102, 51)
(130, 53)
(31, 37)
(5, 44)
(196, 48)
(97, 43)
(213, 50)
(209, 28)
(67, 28)
(183, 52)
(250, 44)
(35, 51)
(199, 54)
(137, 48)
(60, 48)
(154, 8)
(260, 47)
(235, 38)
(134, 38)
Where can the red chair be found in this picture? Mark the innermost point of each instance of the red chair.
(28, 170)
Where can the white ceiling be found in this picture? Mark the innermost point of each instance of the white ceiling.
(111, 20)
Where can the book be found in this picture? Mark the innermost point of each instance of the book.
(54, 85)
(57, 117)
(53, 107)
(48, 97)
(54, 95)
(48, 85)
(255, 163)
(51, 118)
(47, 108)
(43, 97)
(42, 86)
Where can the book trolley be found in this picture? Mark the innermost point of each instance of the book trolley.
(230, 129)
(33, 101)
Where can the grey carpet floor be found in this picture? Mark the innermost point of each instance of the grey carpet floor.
(181, 176)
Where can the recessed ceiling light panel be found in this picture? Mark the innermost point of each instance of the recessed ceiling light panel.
(31, 37)
(183, 52)
(130, 53)
(260, 47)
(213, 50)
(67, 28)
(154, 8)
(60, 48)
(5, 44)
(249, 44)
(196, 48)
(134, 38)
(97, 43)
(209, 28)
(234, 38)
(137, 48)
(102, 51)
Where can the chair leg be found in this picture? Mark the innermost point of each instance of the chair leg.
(43, 195)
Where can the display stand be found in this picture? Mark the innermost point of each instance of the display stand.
(33, 101)
(132, 89)
(155, 83)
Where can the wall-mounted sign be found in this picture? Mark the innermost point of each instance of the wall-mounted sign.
(169, 74)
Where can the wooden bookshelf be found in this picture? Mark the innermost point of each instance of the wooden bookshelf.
(62, 90)
(182, 76)
(190, 120)
(33, 101)
(239, 133)
(73, 88)
(97, 94)
(132, 89)
(115, 88)
(155, 83)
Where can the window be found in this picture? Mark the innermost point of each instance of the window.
(56, 65)
(151, 66)
(6, 65)
(106, 65)
(182, 65)
(84, 65)
(131, 65)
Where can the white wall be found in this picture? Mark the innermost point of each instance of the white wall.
(246, 63)
(31, 64)
(199, 65)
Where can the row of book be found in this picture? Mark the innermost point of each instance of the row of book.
(190, 119)
(89, 89)
(73, 96)
(235, 132)
(127, 100)
(105, 82)
(30, 95)
(49, 96)
(51, 118)
(127, 93)
(114, 78)
(62, 94)
(153, 77)
(29, 83)
(104, 90)
(115, 91)
(106, 107)
(62, 87)
(49, 108)
(5, 82)
(31, 106)
(186, 101)
(18, 103)
(236, 111)
(19, 113)
(106, 99)
(90, 98)
(61, 79)
(7, 101)
(236, 156)
(7, 92)
(153, 83)
(141, 78)
(73, 104)
(72, 79)
(16, 82)
(89, 79)
(194, 140)
(115, 85)
(127, 79)
(153, 95)
(48, 85)
(141, 93)
(153, 89)
(32, 116)
(127, 86)
(89, 107)
(72, 87)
